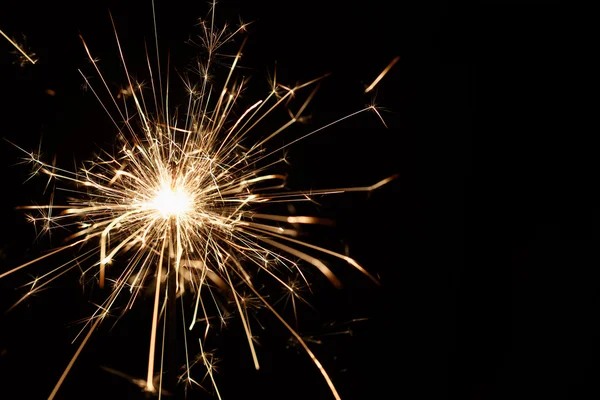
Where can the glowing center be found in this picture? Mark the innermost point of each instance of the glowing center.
(170, 202)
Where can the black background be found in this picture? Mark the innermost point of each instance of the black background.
(485, 244)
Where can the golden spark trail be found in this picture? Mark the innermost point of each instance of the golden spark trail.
(382, 74)
(18, 48)
(73, 359)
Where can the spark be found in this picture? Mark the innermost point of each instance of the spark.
(180, 208)
(382, 74)
(28, 57)
(171, 202)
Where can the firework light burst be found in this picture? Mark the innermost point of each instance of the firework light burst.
(182, 207)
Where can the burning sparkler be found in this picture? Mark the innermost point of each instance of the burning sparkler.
(180, 206)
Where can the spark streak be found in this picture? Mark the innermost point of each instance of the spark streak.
(382, 74)
(16, 46)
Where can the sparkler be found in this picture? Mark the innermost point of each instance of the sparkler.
(180, 205)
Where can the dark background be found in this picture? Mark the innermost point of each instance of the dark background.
(485, 244)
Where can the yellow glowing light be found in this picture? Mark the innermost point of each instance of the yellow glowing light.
(172, 202)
